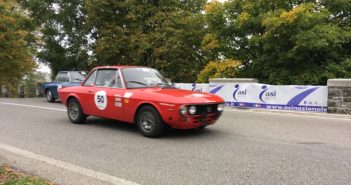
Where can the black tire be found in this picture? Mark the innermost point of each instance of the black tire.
(75, 112)
(149, 122)
(49, 97)
(202, 127)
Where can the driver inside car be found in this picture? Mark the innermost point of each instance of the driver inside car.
(111, 81)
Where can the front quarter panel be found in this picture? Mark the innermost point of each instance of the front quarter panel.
(167, 108)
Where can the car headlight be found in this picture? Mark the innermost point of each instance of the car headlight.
(183, 110)
(220, 107)
(192, 109)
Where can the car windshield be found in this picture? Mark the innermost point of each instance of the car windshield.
(77, 76)
(143, 77)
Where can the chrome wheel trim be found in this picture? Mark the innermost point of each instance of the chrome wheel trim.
(48, 95)
(73, 110)
(147, 121)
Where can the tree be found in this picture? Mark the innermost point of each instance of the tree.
(31, 81)
(218, 69)
(166, 35)
(62, 35)
(284, 42)
(15, 55)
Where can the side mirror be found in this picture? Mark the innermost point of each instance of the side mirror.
(83, 73)
(169, 82)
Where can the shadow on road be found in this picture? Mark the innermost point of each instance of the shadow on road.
(208, 132)
(111, 124)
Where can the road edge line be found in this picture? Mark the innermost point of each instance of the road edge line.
(67, 166)
(33, 106)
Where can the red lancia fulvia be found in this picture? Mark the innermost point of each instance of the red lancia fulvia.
(141, 96)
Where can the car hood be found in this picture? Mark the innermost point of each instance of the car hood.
(179, 96)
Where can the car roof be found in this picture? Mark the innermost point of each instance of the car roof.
(68, 71)
(118, 67)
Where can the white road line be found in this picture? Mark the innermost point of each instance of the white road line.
(33, 106)
(289, 114)
(230, 110)
(67, 166)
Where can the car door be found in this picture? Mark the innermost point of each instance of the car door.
(105, 96)
(62, 78)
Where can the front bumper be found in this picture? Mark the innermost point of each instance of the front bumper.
(193, 121)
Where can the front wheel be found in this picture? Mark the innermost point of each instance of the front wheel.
(75, 112)
(149, 122)
(49, 97)
(202, 127)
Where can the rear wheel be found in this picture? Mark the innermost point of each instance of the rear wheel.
(149, 122)
(49, 97)
(75, 112)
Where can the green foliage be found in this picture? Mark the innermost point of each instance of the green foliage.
(15, 55)
(26, 181)
(218, 69)
(284, 42)
(30, 83)
(9, 176)
(61, 35)
(278, 42)
(166, 35)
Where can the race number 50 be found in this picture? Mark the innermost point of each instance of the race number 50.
(100, 100)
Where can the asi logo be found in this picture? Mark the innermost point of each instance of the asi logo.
(239, 92)
(267, 94)
(195, 88)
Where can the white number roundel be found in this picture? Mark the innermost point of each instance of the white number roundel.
(100, 100)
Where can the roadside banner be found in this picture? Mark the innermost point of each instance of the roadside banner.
(279, 97)
(255, 95)
(198, 87)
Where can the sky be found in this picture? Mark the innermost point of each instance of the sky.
(43, 68)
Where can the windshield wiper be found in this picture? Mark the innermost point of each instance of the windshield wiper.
(77, 79)
(141, 83)
(158, 84)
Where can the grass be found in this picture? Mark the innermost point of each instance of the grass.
(9, 176)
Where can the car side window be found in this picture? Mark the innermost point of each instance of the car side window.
(65, 77)
(60, 77)
(106, 78)
(91, 79)
(57, 77)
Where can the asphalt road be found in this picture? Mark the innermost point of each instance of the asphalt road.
(243, 147)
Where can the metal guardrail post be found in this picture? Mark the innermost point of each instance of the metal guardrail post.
(39, 91)
(20, 91)
(5, 91)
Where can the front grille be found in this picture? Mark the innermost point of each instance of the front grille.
(206, 109)
(206, 118)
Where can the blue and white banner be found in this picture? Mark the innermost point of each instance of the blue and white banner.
(254, 95)
(279, 97)
(198, 87)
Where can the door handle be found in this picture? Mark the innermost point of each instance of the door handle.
(90, 91)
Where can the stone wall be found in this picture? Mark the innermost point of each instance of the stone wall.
(339, 96)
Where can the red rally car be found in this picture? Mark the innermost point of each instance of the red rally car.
(139, 95)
